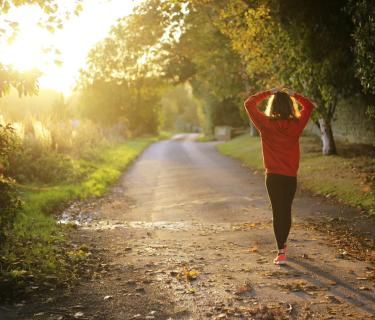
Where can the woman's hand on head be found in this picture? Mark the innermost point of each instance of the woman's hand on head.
(288, 91)
(276, 89)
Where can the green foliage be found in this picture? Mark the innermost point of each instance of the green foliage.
(135, 105)
(160, 43)
(47, 152)
(8, 145)
(363, 17)
(106, 165)
(10, 204)
(37, 163)
(203, 56)
(9, 199)
(179, 109)
(122, 83)
(24, 82)
(304, 45)
(315, 47)
(54, 15)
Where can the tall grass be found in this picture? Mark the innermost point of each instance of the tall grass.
(55, 161)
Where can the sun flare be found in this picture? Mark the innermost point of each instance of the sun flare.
(61, 54)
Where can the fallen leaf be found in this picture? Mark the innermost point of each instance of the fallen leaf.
(290, 308)
(366, 189)
(188, 275)
(190, 291)
(245, 288)
(364, 288)
(78, 314)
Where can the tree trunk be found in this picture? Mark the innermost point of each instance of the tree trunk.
(253, 131)
(329, 146)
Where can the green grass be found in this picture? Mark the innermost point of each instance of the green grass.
(164, 135)
(107, 166)
(205, 138)
(340, 177)
(37, 246)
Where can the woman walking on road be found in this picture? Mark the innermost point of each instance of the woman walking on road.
(280, 127)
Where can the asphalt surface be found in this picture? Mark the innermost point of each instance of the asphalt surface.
(187, 234)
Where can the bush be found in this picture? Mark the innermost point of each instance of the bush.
(8, 145)
(10, 203)
(74, 137)
(36, 162)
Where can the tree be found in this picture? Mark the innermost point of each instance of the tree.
(202, 55)
(53, 15)
(122, 80)
(363, 17)
(179, 109)
(26, 83)
(306, 45)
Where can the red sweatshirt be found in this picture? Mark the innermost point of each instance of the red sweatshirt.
(280, 138)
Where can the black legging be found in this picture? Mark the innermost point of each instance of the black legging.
(281, 190)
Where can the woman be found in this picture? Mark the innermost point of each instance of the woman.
(280, 128)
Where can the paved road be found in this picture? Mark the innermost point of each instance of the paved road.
(183, 211)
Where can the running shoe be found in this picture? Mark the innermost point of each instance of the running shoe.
(280, 259)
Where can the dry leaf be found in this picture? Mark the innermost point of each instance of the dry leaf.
(78, 314)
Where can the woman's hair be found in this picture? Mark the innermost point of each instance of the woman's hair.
(282, 106)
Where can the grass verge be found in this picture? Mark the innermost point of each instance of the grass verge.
(37, 250)
(348, 177)
(205, 138)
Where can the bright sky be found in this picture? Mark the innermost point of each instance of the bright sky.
(74, 40)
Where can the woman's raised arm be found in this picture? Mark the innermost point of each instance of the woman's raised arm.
(258, 118)
(307, 109)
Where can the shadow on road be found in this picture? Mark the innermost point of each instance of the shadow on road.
(345, 290)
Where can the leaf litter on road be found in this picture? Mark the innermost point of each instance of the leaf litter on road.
(302, 286)
(280, 311)
(250, 225)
